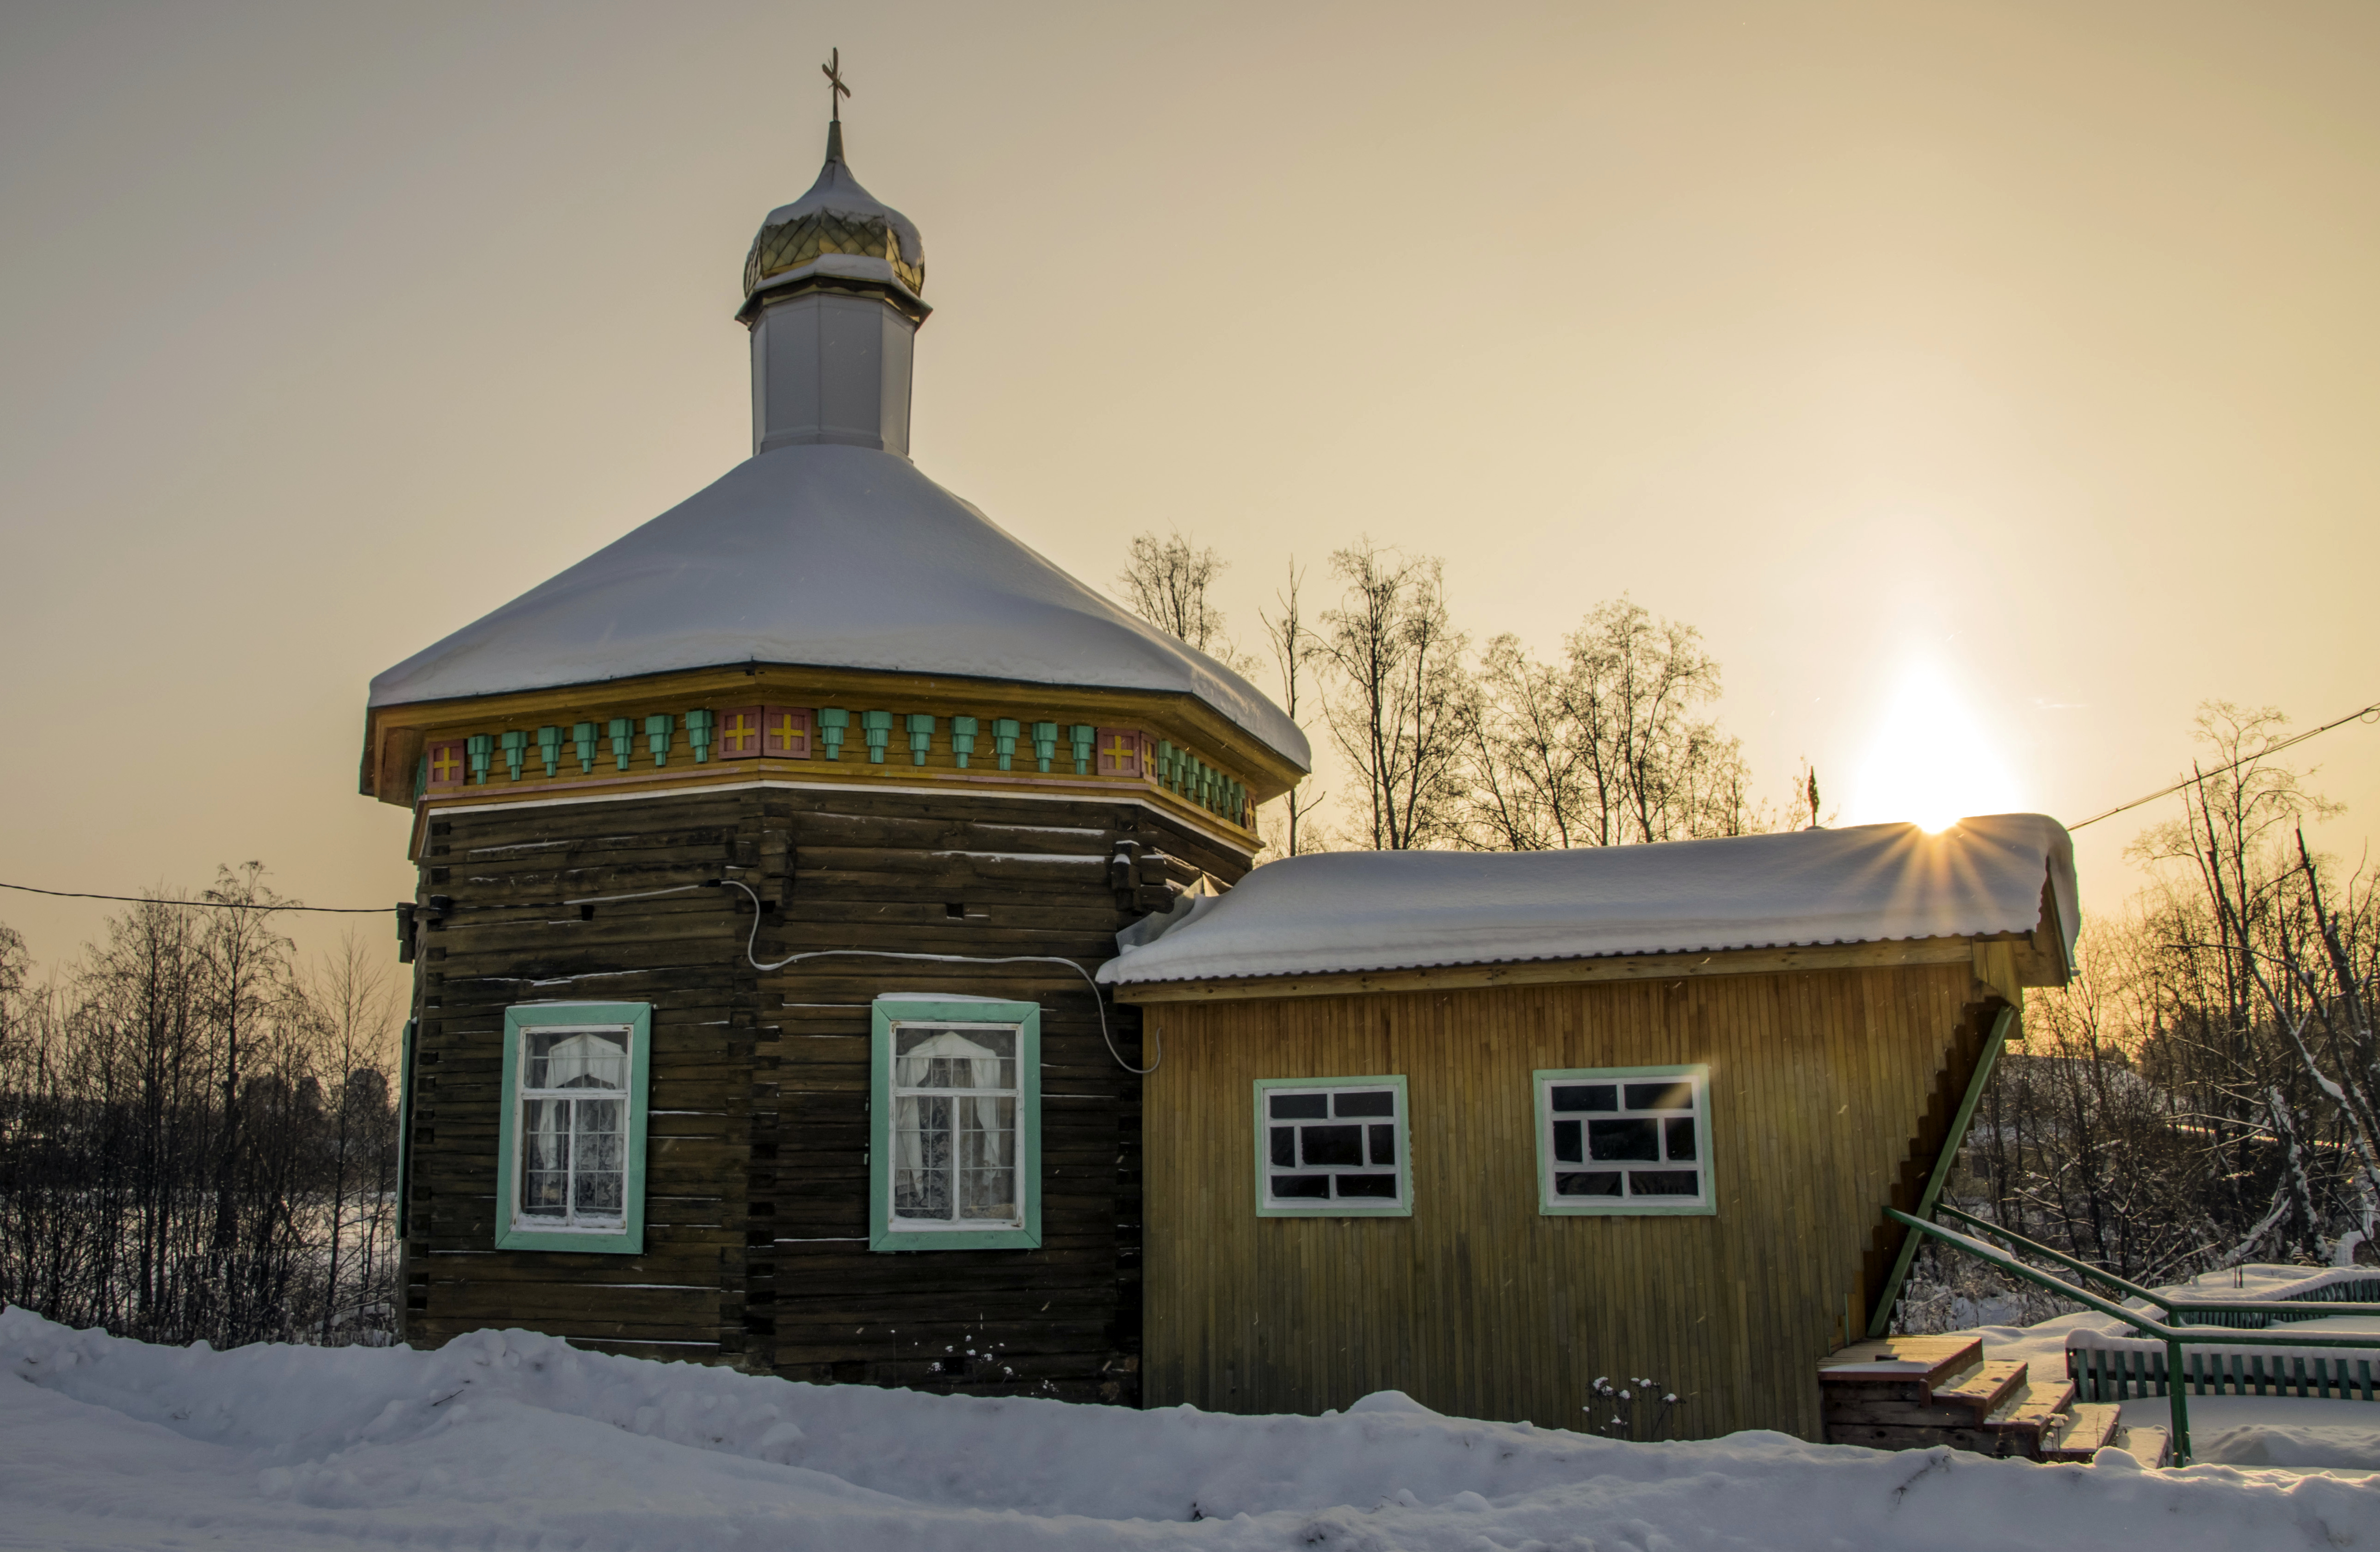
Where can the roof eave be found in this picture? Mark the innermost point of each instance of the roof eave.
(1775, 960)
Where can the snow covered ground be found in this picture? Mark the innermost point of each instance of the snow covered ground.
(506, 1439)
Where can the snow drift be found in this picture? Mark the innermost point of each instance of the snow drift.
(511, 1439)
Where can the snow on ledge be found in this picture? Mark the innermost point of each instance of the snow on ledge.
(1373, 910)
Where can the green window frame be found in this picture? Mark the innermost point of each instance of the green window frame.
(902, 1115)
(593, 1229)
(1654, 1123)
(1295, 1099)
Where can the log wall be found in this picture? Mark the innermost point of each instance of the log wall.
(757, 1174)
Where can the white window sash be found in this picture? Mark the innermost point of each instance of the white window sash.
(1550, 1168)
(1335, 1206)
(909, 1133)
(560, 1070)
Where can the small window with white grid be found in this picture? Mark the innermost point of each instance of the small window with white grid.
(1333, 1147)
(1624, 1140)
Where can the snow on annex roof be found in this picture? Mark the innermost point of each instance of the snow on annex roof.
(827, 556)
(1372, 910)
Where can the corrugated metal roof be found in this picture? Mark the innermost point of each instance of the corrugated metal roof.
(1371, 911)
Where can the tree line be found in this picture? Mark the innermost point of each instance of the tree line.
(198, 1134)
(1613, 741)
(2206, 1092)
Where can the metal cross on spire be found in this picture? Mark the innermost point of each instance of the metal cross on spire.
(837, 91)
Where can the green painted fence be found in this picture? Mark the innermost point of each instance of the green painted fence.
(2121, 1373)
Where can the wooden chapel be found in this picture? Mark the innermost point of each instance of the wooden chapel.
(823, 704)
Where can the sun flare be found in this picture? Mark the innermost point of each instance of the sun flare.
(1930, 762)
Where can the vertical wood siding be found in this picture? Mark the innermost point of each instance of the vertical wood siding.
(1823, 1084)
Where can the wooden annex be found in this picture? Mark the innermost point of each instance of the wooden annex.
(1834, 1072)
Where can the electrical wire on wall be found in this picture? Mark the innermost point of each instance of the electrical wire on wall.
(1098, 999)
(752, 940)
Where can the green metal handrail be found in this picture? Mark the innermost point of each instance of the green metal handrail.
(2173, 1338)
(2174, 1307)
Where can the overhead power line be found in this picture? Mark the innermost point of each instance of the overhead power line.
(2366, 714)
(205, 905)
(2369, 714)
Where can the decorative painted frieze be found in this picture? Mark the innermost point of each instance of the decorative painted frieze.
(739, 733)
(785, 732)
(448, 765)
(877, 728)
(833, 722)
(754, 732)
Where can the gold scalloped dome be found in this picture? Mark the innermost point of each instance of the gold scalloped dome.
(838, 230)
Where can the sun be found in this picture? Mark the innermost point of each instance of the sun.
(1930, 762)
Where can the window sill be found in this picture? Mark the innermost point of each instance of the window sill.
(901, 1240)
(1338, 1210)
(617, 1241)
(1627, 1210)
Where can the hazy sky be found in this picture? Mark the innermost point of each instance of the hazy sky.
(1998, 377)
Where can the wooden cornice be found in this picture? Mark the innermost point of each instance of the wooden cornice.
(395, 737)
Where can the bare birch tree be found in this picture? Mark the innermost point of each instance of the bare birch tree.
(1293, 648)
(1604, 748)
(1171, 584)
(1397, 697)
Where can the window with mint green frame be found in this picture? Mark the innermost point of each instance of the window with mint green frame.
(955, 1124)
(1624, 1141)
(570, 1166)
(1333, 1147)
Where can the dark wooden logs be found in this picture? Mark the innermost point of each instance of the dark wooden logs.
(756, 1249)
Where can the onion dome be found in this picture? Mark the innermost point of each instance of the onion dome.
(837, 231)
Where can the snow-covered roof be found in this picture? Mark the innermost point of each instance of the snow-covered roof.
(1371, 911)
(828, 557)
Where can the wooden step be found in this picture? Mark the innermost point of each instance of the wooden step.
(1853, 1411)
(1983, 1390)
(1904, 1368)
(2090, 1426)
(2035, 1407)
